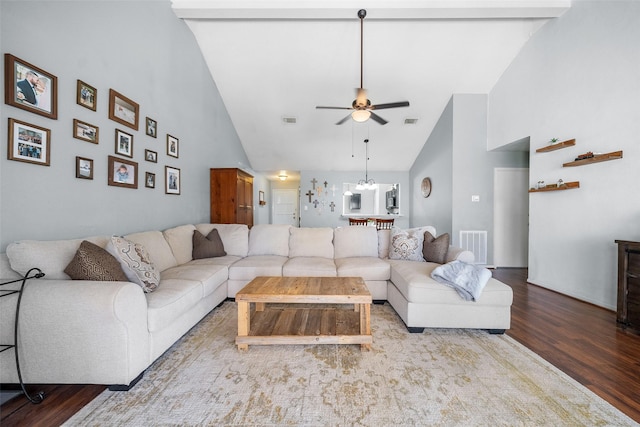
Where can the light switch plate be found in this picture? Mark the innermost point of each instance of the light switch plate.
(475, 198)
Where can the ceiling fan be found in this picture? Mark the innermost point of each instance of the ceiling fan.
(361, 106)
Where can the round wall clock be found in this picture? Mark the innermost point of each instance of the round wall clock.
(426, 187)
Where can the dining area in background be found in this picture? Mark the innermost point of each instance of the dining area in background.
(379, 223)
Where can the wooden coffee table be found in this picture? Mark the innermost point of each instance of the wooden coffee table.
(307, 311)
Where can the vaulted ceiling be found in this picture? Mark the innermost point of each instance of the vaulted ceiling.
(275, 61)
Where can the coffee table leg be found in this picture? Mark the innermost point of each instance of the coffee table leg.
(244, 320)
(365, 323)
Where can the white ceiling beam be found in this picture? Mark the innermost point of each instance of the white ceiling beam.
(376, 9)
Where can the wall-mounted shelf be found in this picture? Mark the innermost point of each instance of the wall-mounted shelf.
(554, 187)
(595, 159)
(557, 146)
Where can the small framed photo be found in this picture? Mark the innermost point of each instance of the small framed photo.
(151, 156)
(152, 127)
(85, 131)
(84, 168)
(87, 95)
(123, 110)
(30, 88)
(172, 180)
(261, 201)
(172, 146)
(122, 173)
(124, 143)
(150, 180)
(29, 143)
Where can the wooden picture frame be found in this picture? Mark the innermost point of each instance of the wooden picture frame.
(84, 168)
(150, 180)
(86, 95)
(261, 201)
(86, 131)
(122, 172)
(30, 88)
(151, 127)
(151, 156)
(172, 146)
(29, 143)
(123, 110)
(124, 143)
(171, 180)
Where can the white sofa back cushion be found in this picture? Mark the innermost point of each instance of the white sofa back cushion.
(157, 247)
(180, 240)
(269, 239)
(235, 237)
(311, 242)
(52, 257)
(355, 242)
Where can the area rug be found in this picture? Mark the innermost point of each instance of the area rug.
(441, 377)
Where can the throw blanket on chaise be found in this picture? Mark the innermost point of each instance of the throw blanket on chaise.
(467, 279)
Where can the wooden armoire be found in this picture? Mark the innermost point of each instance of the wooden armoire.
(231, 196)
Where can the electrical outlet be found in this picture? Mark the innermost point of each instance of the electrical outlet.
(475, 198)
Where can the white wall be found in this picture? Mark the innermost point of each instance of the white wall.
(140, 49)
(578, 77)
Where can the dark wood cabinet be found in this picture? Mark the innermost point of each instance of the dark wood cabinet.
(628, 313)
(231, 196)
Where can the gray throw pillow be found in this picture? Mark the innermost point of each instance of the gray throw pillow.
(435, 249)
(91, 262)
(207, 247)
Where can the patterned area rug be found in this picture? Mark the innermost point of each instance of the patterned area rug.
(441, 377)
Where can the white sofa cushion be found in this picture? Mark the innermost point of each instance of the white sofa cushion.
(368, 268)
(309, 266)
(235, 237)
(384, 240)
(157, 247)
(172, 299)
(210, 275)
(52, 257)
(311, 242)
(260, 265)
(180, 240)
(355, 242)
(269, 239)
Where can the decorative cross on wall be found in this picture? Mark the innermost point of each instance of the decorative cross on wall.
(315, 203)
(325, 184)
(314, 182)
(309, 193)
(319, 190)
(333, 190)
(332, 206)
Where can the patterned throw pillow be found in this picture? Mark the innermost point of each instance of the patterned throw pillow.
(435, 249)
(135, 262)
(406, 244)
(207, 247)
(91, 262)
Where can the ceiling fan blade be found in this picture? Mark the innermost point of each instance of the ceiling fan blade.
(389, 105)
(333, 108)
(344, 120)
(378, 119)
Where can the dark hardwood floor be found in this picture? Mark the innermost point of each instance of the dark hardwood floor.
(579, 338)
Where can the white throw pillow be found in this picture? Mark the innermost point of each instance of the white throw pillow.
(135, 262)
(406, 244)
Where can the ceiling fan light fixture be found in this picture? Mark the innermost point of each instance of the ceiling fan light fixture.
(360, 115)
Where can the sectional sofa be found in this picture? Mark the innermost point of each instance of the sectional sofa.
(109, 332)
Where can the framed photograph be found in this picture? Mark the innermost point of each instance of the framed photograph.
(151, 156)
(152, 127)
(85, 131)
(172, 146)
(84, 168)
(150, 180)
(29, 143)
(122, 172)
(261, 201)
(29, 87)
(86, 95)
(124, 143)
(171, 180)
(123, 110)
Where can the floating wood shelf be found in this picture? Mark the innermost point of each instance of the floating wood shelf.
(557, 146)
(554, 187)
(595, 159)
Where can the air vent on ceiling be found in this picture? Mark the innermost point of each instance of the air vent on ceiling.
(410, 121)
(289, 120)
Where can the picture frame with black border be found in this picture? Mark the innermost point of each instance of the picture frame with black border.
(151, 127)
(151, 156)
(124, 143)
(86, 95)
(172, 146)
(30, 88)
(84, 168)
(150, 180)
(86, 131)
(172, 181)
(122, 172)
(29, 143)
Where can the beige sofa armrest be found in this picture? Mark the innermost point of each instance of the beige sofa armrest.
(456, 253)
(79, 332)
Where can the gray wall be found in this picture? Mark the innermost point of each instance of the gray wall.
(140, 49)
(578, 77)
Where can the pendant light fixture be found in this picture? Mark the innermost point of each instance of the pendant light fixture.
(366, 183)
